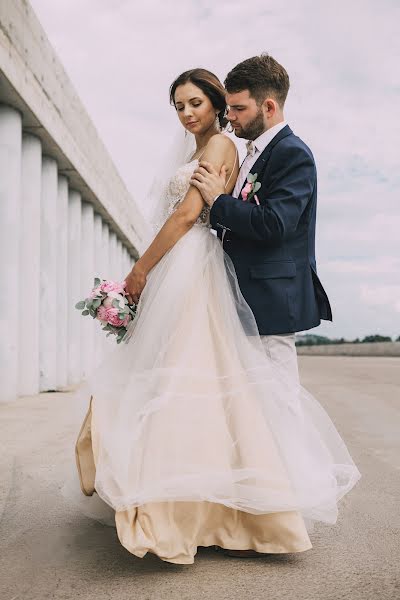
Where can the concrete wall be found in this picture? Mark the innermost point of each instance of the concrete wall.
(373, 349)
(33, 80)
(65, 215)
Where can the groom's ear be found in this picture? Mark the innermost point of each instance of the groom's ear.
(270, 107)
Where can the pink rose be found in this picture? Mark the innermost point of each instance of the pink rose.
(101, 313)
(246, 190)
(112, 286)
(110, 315)
(113, 317)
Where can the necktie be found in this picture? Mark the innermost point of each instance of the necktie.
(245, 168)
(250, 148)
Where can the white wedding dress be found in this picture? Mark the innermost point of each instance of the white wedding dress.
(194, 436)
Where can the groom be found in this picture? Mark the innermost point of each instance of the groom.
(267, 225)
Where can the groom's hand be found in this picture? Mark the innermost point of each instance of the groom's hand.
(208, 181)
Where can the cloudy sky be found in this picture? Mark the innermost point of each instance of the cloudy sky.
(342, 58)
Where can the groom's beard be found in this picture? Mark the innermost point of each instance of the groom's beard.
(253, 129)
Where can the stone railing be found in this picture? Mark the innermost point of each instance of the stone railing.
(65, 215)
(365, 349)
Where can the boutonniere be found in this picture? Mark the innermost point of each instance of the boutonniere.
(251, 188)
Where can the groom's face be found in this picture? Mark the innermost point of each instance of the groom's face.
(245, 115)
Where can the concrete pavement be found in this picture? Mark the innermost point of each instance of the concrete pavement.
(49, 549)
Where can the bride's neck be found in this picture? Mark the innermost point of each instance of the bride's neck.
(203, 139)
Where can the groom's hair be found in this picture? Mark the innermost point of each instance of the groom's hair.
(262, 75)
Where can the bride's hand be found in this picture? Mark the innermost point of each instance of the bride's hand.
(135, 282)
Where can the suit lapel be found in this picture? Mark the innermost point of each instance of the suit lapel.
(261, 162)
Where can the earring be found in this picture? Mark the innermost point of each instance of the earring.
(217, 123)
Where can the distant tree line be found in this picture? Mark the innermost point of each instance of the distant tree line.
(320, 340)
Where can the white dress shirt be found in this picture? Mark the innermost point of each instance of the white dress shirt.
(256, 148)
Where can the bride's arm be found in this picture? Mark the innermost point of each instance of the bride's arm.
(220, 151)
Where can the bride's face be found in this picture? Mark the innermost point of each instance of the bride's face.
(194, 108)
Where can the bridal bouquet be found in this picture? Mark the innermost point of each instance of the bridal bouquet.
(108, 303)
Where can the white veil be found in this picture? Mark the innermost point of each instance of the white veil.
(182, 148)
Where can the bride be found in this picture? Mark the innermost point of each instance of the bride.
(193, 435)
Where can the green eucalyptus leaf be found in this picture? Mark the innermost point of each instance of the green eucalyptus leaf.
(257, 186)
(85, 313)
(80, 305)
(97, 281)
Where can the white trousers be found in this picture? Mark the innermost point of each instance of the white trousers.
(282, 349)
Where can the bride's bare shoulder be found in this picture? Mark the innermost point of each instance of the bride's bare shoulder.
(221, 142)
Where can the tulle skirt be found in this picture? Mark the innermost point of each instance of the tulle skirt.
(193, 426)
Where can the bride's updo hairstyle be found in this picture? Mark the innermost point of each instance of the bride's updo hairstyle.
(209, 84)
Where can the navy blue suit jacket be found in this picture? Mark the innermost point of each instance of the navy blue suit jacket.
(272, 246)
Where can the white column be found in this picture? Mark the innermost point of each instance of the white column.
(29, 266)
(101, 273)
(74, 286)
(128, 261)
(119, 260)
(10, 182)
(105, 261)
(62, 283)
(48, 276)
(87, 280)
(131, 261)
(98, 246)
(124, 261)
(113, 256)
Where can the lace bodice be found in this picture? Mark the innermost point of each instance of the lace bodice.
(176, 190)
